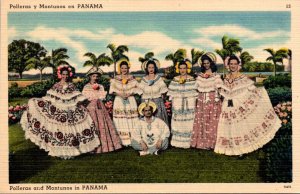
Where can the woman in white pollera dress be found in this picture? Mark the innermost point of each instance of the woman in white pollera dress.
(248, 120)
(182, 92)
(125, 113)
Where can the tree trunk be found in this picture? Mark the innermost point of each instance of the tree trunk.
(21, 75)
(274, 69)
(115, 69)
(290, 64)
(41, 73)
(223, 68)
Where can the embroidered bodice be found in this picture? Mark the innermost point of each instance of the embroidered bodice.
(93, 94)
(208, 84)
(127, 86)
(182, 90)
(237, 87)
(64, 95)
(152, 88)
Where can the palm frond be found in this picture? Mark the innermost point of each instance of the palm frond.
(122, 48)
(169, 57)
(112, 47)
(92, 56)
(149, 55)
(270, 50)
(88, 63)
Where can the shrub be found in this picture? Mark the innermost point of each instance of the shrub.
(279, 94)
(80, 84)
(261, 67)
(283, 80)
(277, 162)
(38, 89)
(284, 111)
(15, 113)
(14, 91)
(278, 156)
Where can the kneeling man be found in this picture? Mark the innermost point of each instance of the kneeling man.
(150, 134)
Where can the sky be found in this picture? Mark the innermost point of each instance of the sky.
(158, 32)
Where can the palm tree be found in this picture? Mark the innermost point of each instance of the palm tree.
(246, 57)
(196, 55)
(289, 53)
(178, 56)
(146, 57)
(230, 46)
(117, 53)
(58, 57)
(94, 61)
(39, 63)
(223, 54)
(276, 56)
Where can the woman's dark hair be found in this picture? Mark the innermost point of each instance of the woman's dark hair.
(147, 65)
(124, 63)
(64, 69)
(67, 70)
(213, 66)
(182, 63)
(233, 57)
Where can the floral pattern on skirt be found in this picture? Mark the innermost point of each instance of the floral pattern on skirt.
(206, 120)
(108, 136)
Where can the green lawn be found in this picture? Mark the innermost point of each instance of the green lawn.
(17, 101)
(29, 164)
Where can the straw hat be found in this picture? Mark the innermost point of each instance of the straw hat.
(144, 104)
(155, 61)
(210, 55)
(94, 70)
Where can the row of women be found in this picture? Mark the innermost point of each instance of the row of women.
(230, 116)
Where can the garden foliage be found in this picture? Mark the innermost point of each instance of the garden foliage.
(280, 80)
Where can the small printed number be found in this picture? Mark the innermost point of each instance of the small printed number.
(288, 6)
(287, 186)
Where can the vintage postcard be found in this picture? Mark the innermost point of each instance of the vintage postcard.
(149, 96)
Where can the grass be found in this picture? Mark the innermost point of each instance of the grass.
(29, 164)
(17, 101)
(22, 83)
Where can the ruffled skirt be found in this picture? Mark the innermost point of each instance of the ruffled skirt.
(183, 113)
(125, 116)
(63, 131)
(246, 123)
(109, 138)
(205, 125)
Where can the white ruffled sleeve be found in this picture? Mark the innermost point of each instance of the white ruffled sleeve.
(171, 90)
(85, 92)
(136, 89)
(102, 93)
(140, 88)
(163, 86)
(112, 88)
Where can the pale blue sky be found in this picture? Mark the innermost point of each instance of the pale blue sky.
(160, 32)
